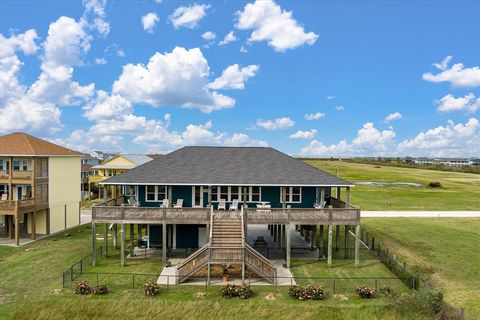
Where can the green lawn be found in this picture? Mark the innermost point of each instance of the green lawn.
(445, 249)
(460, 191)
(31, 287)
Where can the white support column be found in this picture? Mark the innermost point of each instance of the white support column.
(164, 243)
(322, 197)
(122, 245)
(330, 245)
(357, 246)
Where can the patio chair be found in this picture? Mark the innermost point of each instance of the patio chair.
(164, 203)
(179, 204)
(222, 205)
(234, 205)
(319, 206)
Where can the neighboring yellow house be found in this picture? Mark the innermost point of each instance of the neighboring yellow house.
(114, 166)
(39, 187)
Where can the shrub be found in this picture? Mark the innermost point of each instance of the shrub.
(365, 292)
(151, 289)
(310, 292)
(295, 291)
(82, 288)
(435, 184)
(423, 301)
(387, 292)
(100, 289)
(315, 293)
(234, 291)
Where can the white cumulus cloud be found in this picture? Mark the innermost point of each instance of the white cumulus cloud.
(149, 21)
(310, 134)
(314, 116)
(209, 36)
(177, 78)
(270, 23)
(188, 16)
(451, 140)
(467, 103)
(107, 106)
(229, 37)
(234, 77)
(393, 116)
(369, 142)
(457, 75)
(277, 124)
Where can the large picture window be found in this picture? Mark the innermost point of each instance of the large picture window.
(254, 194)
(156, 193)
(292, 194)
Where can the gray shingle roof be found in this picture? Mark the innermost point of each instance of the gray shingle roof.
(227, 166)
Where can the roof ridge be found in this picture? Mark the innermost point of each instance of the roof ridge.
(27, 138)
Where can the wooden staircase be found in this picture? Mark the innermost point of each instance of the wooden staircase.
(227, 246)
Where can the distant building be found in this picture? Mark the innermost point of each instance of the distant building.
(451, 162)
(39, 192)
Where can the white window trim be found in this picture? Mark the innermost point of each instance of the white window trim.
(290, 194)
(250, 195)
(240, 194)
(156, 193)
(193, 197)
(229, 194)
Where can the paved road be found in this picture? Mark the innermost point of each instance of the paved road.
(421, 214)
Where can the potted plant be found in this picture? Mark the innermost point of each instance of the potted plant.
(225, 273)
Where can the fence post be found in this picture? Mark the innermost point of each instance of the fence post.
(334, 286)
(376, 284)
(97, 278)
(133, 280)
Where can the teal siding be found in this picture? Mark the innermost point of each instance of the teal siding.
(155, 235)
(182, 192)
(271, 194)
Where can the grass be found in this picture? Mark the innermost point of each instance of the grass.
(460, 191)
(31, 285)
(444, 250)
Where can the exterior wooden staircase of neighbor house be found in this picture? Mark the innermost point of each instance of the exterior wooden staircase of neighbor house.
(227, 245)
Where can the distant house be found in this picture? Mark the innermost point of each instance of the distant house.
(112, 167)
(205, 198)
(39, 187)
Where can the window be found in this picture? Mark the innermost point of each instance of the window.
(234, 193)
(3, 188)
(3, 165)
(224, 193)
(16, 165)
(24, 165)
(214, 191)
(293, 194)
(156, 193)
(254, 194)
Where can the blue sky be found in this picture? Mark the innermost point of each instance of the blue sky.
(374, 78)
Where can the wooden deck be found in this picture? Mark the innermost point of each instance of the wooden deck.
(145, 215)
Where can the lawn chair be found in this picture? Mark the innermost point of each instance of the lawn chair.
(319, 206)
(164, 203)
(234, 205)
(179, 204)
(222, 205)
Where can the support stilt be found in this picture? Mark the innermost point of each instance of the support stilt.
(164, 243)
(122, 245)
(357, 246)
(94, 244)
(105, 240)
(330, 245)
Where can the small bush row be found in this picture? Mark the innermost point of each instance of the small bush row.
(366, 292)
(151, 289)
(234, 291)
(309, 292)
(83, 288)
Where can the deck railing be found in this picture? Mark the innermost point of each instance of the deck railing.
(13, 205)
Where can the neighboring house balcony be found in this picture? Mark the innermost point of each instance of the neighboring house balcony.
(15, 207)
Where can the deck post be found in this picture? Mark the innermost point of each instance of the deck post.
(17, 230)
(347, 198)
(139, 232)
(34, 224)
(313, 241)
(339, 194)
(10, 226)
(115, 235)
(105, 240)
(320, 242)
(357, 246)
(322, 197)
(330, 235)
(288, 235)
(105, 193)
(132, 240)
(346, 241)
(122, 245)
(170, 200)
(94, 244)
(275, 233)
(164, 243)
(337, 236)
